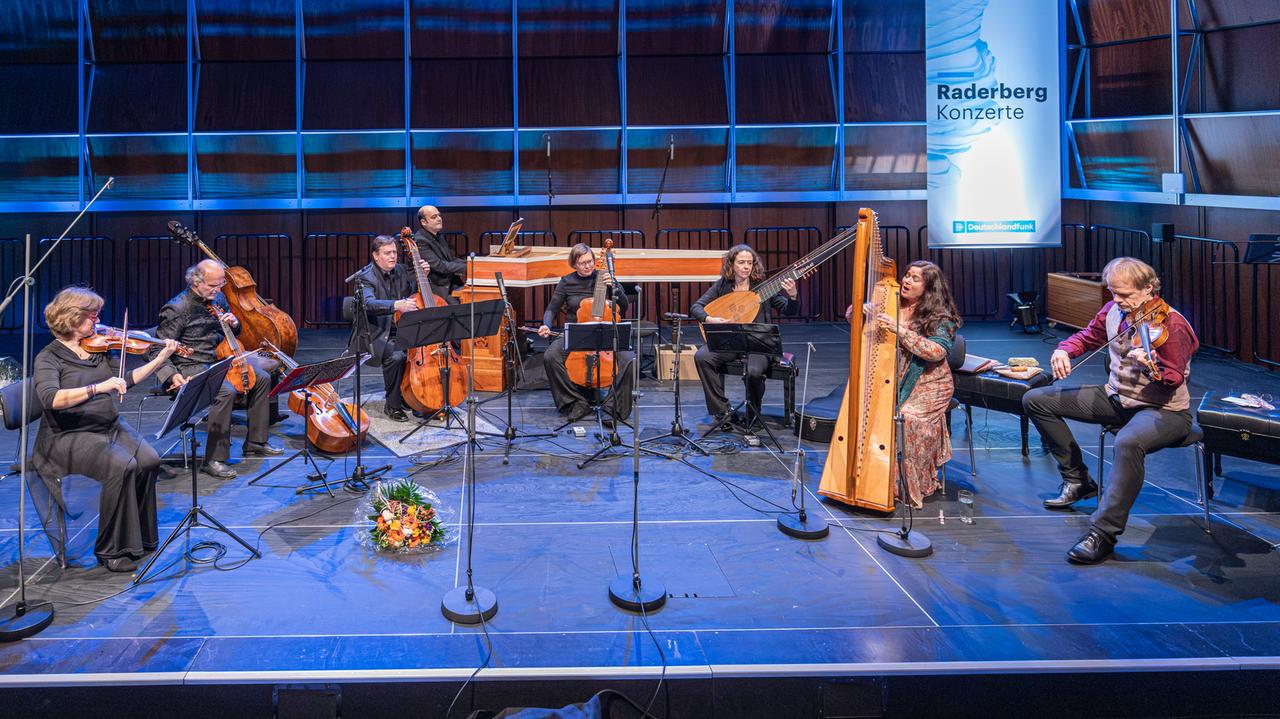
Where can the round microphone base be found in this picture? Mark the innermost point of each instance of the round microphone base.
(914, 545)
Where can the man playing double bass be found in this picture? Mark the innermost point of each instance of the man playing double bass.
(1145, 394)
(188, 319)
(387, 288)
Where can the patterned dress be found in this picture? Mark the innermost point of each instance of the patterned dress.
(924, 409)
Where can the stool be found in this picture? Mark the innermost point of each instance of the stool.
(990, 390)
(783, 368)
(1237, 432)
(11, 409)
(1194, 438)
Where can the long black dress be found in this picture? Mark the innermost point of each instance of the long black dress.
(91, 439)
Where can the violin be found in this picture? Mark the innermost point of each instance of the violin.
(134, 342)
(331, 423)
(594, 369)
(241, 375)
(1150, 333)
(434, 376)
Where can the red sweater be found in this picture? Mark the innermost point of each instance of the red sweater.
(1173, 358)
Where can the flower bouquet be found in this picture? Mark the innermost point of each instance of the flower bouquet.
(404, 517)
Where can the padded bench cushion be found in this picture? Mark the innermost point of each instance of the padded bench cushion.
(1239, 431)
(994, 391)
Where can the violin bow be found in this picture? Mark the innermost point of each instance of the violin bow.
(1133, 326)
(124, 348)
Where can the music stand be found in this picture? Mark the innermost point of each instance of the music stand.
(303, 378)
(514, 363)
(193, 398)
(447, 323)
(743, 340)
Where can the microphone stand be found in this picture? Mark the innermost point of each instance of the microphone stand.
(358, 481)
(551, 193)
(470, 604)
(801, 526)
(632, 592)
(30, 618)
(677, 426)
(903, 542)
(662, 183)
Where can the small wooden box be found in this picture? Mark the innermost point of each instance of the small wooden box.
(1075, 298)
(666, 357)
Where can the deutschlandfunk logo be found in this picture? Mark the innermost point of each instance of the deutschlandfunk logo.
(960, 227)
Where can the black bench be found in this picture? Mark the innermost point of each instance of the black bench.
(990, 390)
(1237, 432)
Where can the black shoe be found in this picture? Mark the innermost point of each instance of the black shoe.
(119, 564)
(1071, 493)
(1091, 549)
(218, 470)
(396, 415)
(261, 449)
(575, 410)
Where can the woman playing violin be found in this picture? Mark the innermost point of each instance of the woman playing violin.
(83, 433)
(1145, 394)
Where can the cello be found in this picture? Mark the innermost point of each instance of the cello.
(241, 375)
(594, 369)
(331, 426)
(434, 377)
(259, 320)
(860, 464)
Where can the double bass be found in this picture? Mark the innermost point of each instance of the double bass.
(860, 463)
(259, 320)
(594, 369)
(331, 423)
(435, 378)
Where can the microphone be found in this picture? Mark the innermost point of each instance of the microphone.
(608, 261)
(354, 276)
(110, 181)
(671, 316)
(546, 139)
(671, 148)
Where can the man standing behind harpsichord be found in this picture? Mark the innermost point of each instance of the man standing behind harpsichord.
(447, 271)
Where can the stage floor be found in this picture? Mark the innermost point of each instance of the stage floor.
(745, 600)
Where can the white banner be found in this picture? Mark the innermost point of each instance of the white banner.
(994, 130)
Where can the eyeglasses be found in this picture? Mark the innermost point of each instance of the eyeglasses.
(584, 263)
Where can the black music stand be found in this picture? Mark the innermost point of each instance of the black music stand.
(193, 398)
(447, 323)
(304, 377)
(742, 340)
(678, 430)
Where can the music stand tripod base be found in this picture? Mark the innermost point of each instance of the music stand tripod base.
(634, 595)
(461, 609)
(913, 544)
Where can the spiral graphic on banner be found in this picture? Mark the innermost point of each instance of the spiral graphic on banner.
(956, 55)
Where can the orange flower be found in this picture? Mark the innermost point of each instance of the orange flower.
(395, 536)
(382, 524)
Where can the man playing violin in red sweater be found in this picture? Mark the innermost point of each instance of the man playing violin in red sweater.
(1145, 394)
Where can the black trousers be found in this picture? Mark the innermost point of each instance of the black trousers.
(1144, 431)
(711, 372)
(392, 373)
(565, 393)
(126, 467)
(259, 405)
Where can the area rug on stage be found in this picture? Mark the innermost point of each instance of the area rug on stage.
(431, 437)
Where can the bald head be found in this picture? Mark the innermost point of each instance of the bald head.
(430, 220)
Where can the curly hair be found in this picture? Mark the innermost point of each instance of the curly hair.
(936, 305)
(726, 264)
(68, 308)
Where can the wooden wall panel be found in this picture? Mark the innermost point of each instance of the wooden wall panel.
(878, 26)
(1114, 20)
(784, 88)
(1233, 78)
(1237, 155)
(884, 87)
